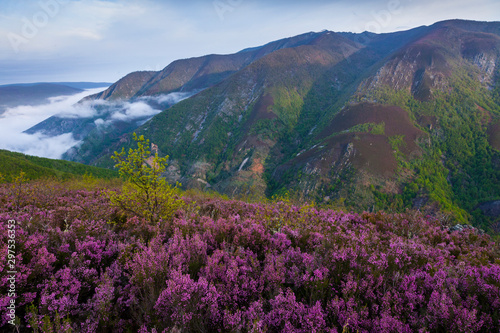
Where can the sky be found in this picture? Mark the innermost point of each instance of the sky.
(103, 40)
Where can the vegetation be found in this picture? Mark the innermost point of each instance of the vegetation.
(279, 113)
(145, 193)
(222, 266)
(287, 106)
(459, 169)
(12, 163)
(144, 258)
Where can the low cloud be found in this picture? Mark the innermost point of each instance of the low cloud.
(171, 98)
(16, 120)
(124, 111)
(41, 145)
(134, 111)
(109, 111)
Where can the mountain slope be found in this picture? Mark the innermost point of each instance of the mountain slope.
(135, 98)
(363, 121)
(124, 88)
(426, 97)
(12, 163)
(252, 114)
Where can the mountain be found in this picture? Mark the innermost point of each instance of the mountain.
(194, 74)
(32, 94)
(138, 96)
(358, 121)
(12, 163)
(85, 85)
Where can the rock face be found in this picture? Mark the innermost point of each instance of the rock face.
(464, 227)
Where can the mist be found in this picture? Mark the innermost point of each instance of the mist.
(17, 119)
(109, 111)
(48, 140)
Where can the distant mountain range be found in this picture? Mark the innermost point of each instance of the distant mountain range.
(409, 119)
(12, 95)
(76, 85)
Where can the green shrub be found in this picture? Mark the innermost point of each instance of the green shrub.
(145, 193)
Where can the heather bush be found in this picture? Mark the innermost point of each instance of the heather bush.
(220, 265)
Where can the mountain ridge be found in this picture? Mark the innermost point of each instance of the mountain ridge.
(32, 94)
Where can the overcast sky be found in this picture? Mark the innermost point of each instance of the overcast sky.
(99, 40)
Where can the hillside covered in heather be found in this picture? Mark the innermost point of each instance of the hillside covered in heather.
(220, 265)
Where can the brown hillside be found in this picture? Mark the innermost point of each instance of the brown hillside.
(126, 87)
(396, 120)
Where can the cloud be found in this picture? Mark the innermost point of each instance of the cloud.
(104, 40)
(83, 33)
(18, 119)
(132, 111)
(41, 145)
(172, 98)
(107, 112)
(31, 115)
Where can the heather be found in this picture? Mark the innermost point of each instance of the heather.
(221, 265)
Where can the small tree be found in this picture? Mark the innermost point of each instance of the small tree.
(145, 193)
(19, 191)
